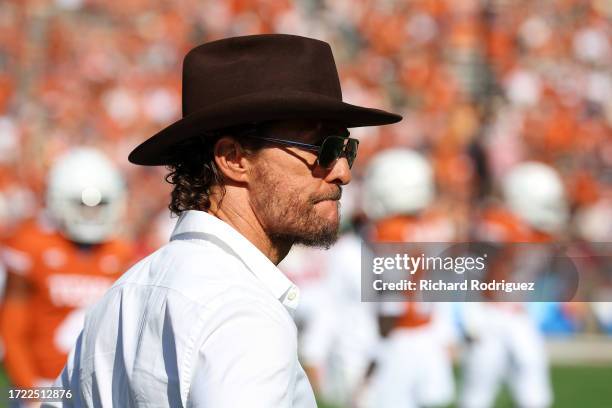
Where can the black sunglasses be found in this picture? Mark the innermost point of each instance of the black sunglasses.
(331, 149)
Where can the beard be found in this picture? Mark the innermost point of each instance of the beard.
(288, 217)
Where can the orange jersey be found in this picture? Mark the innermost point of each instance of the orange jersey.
(428, 227)
(62, 280)
(499, 225)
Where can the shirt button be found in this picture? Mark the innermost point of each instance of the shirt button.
(291, 295)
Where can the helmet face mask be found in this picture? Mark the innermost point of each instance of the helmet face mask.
(87, 224)
(86, 196)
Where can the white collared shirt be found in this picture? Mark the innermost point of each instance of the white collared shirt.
(202, 322)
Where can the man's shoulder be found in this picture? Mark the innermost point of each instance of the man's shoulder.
(196, 270)
(200, 289)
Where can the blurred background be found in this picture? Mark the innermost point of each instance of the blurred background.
(483, 87)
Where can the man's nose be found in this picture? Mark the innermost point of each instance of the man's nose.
(339, 173)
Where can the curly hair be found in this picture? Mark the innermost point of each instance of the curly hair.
(193, 171)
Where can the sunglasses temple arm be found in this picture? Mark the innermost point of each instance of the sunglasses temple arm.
(291, 143)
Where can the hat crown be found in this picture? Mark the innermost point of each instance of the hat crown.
(268, 63)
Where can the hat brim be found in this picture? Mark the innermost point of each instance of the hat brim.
(253, 108)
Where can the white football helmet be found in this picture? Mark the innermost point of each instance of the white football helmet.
(534, 192)
(397, 181)
(86, 195)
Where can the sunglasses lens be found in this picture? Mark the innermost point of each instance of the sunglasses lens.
(334, 146)
(331, 149)
(351, 151)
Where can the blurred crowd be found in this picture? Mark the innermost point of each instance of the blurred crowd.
(482, 85)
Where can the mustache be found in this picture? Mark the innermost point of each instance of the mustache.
(334, 195)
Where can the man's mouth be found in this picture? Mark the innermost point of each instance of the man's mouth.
(333, 196)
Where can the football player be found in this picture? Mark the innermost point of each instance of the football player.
(504, 343)
(339, 336)
(413, 367)
(61, 263)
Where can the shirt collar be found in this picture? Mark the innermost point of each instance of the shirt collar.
(202, 224)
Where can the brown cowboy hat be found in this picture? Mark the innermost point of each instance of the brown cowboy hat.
(256, 78)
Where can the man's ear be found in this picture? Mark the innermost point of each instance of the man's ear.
(231, 159)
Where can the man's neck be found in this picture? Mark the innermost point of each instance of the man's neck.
(250, 227)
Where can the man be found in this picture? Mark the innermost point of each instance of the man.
(61, 263)
(413, 367)
(341, 332)
(257, 163)
(505, 344)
